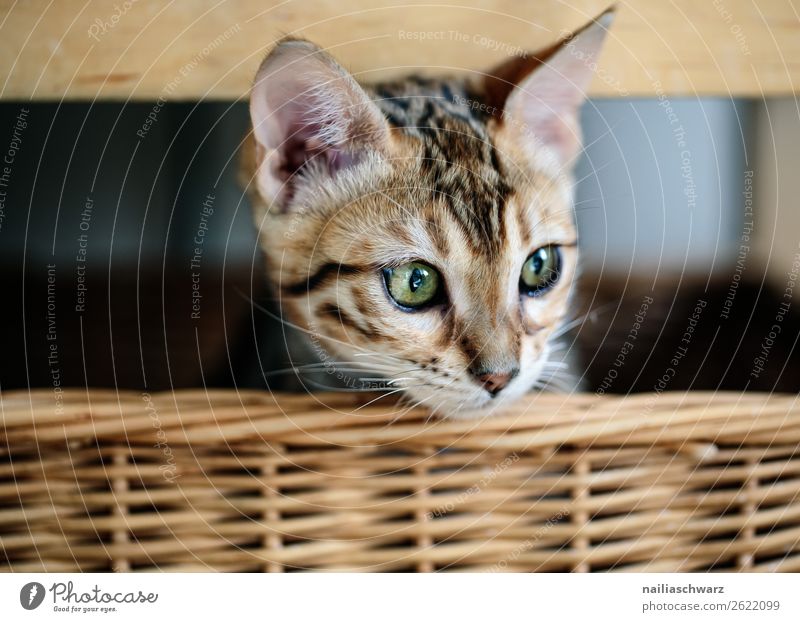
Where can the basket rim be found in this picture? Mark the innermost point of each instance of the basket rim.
(692, 421)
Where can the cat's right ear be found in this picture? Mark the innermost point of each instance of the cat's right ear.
(540, 94)
(310, 117)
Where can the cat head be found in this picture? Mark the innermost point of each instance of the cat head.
(422, 231)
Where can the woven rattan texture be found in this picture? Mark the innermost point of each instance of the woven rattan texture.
(199, 480)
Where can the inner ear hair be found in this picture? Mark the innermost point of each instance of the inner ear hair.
(498, 83)
(308, 113)
(502, 79)
(542, 93)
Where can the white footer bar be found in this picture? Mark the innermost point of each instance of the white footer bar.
(389, 597)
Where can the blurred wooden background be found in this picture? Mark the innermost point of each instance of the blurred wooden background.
(210, 49)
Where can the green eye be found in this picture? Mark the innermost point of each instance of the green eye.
(540, 270)
(412, 285)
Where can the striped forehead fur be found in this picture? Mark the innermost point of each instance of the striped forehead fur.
(456, 161)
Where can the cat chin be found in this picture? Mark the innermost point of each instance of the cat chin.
(480, 406)
(485, 408)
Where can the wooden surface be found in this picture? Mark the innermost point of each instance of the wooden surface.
(207, 49)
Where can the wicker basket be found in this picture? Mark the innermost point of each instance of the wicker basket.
(252, 481)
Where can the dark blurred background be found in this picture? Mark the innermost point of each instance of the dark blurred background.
(85, 181)
(104, 205)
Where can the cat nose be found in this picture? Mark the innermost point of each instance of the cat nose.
(495, 381)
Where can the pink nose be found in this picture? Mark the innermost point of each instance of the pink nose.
(494, 382)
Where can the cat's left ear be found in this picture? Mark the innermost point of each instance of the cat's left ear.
(540, 94)
(309, 116)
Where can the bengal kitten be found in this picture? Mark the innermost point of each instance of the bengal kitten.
(421, 231)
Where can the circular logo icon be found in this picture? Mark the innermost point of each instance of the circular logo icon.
(31, 595)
